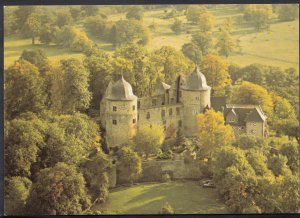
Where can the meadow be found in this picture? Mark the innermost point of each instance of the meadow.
(186, 197)
(277, 46)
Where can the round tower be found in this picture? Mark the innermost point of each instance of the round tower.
(120, 113)
(195, 96)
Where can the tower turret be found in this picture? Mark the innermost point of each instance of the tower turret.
(120, 113)
(195, 96)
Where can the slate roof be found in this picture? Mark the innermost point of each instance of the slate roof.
(218, 103)
(196, 81)
(245, 113)
(121, 90)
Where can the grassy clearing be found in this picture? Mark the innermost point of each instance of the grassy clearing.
(277, 47)
(14, 46)
(185, 197)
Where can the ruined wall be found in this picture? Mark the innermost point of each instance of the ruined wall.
(177, 169)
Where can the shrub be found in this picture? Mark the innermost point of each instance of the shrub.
(166, 209)
(165, 177)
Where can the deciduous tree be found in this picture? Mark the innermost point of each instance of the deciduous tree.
(149, 139)
(59, 190)
(213, 133)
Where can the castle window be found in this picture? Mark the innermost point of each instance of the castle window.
(180, 94)
(115, 122)
(197, 98)
(133, 107)
(163, 101)
(114, 108)
(177, 111)
(172, 100)
(148, 115)
(139, 104)
(170, 111)
(153, 102)
(134, 121)
(163, 113)
(179, 123)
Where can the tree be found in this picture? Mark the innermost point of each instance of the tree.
(9, 24)
(216, 71)
(129, 165)
(135, 12)
(16, 194)
(129, 31)
(258, 162)
(99, 65)
(149, 139)
(73, 38)
(22, 13)
(95, 173)
(288, 12)
(177, 26)
(77, 96)
(249, 93)
(63, 18)
(213, 133)
(37, 58)
(23, 140)
(171, 63)
(235, 73)
(89, 10)
(284, 119)
(33, 25)
(225, 43)
(203, 40)
(291, 151)
(166, 209)
(290, 194)
(58, 191)
(234, 177)
(206, 22)
(255, 73)
(24, 89)
(193, 52)
(99, 27)
(193, 13)
(134, 58)
(258, 15)
(278, 165)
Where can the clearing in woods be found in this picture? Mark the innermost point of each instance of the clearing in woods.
(186, 197)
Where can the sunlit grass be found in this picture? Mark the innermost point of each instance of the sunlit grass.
(185, 197)
(277, 47)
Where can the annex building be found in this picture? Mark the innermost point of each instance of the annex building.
(174, 106)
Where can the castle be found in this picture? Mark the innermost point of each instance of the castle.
(172, 107)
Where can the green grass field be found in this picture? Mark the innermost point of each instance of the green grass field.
(186, 197)
(277, 47)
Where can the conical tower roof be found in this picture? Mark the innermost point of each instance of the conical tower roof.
(121, 90)
(196, 81)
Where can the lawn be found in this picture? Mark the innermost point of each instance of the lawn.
(186, 197)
